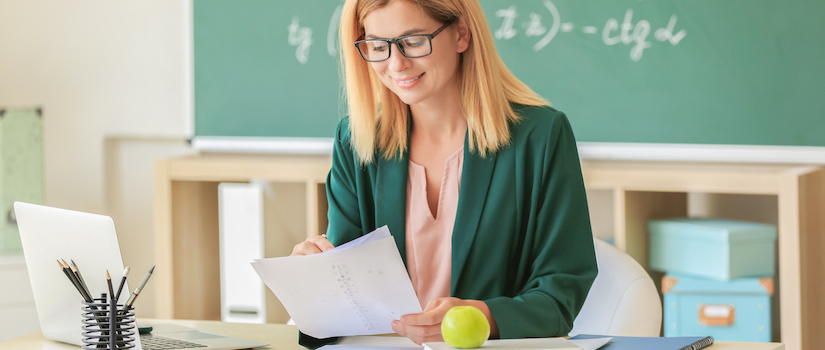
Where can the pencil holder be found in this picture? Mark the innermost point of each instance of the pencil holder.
(108, 325)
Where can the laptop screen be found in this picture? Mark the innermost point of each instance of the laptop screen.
(49, 234)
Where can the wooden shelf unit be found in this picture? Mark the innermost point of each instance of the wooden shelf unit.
(186, 228)
(647, 190)
(186, 221)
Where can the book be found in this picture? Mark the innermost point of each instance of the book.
(658, 343)
(520, 344)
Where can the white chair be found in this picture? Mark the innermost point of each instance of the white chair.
(623, 300)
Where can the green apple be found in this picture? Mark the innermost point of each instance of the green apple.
(465, 327)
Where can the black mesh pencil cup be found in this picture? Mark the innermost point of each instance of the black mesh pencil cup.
(108, 325)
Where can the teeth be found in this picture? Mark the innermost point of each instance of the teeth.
(409, 81)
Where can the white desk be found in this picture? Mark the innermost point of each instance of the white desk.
(279, 336)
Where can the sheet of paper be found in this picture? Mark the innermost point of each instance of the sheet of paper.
(373, 343)
(515, 344)
(368, 347)
(355, 289)
(590, 344)
(400, 343)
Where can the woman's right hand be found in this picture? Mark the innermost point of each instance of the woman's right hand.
(312, 245)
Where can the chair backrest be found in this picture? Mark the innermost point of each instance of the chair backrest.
(623, 300)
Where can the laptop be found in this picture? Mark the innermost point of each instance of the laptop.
(48, 234)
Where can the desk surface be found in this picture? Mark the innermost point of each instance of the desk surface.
(279, 336)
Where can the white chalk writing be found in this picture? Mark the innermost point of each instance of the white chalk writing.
(545, 24)
(636, 35)
(300, 37)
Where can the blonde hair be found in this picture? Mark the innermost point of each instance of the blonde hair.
(379, 119)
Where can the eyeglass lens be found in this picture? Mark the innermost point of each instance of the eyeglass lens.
(411, 46)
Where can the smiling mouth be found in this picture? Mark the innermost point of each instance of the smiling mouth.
(410, 80)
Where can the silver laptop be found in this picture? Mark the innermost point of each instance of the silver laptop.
(48, 234)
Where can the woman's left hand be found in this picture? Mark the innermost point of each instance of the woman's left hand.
(426, 326)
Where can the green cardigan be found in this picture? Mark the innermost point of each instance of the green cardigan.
(521, 242)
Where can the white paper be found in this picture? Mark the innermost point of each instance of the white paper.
(400, 343)
(373, 343)
(357, 288)
(590, 344)
(520, 344)
(368, 347)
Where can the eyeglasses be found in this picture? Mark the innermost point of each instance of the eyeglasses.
(411, 46)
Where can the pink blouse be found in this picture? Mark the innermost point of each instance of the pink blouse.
(429, 240)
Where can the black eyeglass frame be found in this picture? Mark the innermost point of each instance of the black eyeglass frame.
(401, 48)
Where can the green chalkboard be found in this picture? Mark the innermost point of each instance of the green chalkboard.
(667, 71)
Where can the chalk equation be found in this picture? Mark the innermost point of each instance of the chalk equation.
(635, 35)
(613, 33)
(301, 37)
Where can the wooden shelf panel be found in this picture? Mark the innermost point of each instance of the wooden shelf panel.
(224, 168)
(687, 177)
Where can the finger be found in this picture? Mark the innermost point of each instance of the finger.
(305, 248)
(423, 319)
(433, 313)
(427, 339)
(418, 334)
(432, 304)
(422, 332)
(321, 242)
(312, 245)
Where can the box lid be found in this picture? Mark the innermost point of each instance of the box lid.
(713, 229)
(682, 284)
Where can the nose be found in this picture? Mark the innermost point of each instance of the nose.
(397, 61)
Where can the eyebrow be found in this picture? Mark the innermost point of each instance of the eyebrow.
(409, 32)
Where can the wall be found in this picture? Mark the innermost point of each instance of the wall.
(129, 188)
(113, 80)
(96, 68)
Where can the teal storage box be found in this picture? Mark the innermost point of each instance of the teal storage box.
(735, 310)
(712, 248)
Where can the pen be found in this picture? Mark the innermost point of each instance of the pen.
(139, 288)
(122, 282)
(109, 282)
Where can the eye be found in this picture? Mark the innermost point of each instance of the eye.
(378, 46)
(415, 41)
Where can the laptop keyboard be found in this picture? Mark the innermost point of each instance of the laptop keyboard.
(153, 342)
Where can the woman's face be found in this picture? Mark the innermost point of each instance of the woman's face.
(423, 79)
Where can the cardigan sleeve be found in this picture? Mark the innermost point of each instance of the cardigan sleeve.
(344, 213)
(558, 242)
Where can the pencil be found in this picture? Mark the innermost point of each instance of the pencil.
(76, 269)
(122, 283)
(139, 288)
(74, 282)
(109, 283)
(66, 272)
(74, 272)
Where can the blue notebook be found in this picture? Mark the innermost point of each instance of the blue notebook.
(644, 343)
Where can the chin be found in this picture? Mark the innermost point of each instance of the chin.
(408, 98)
(411, 101)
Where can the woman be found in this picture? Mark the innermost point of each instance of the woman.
(476, 176)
